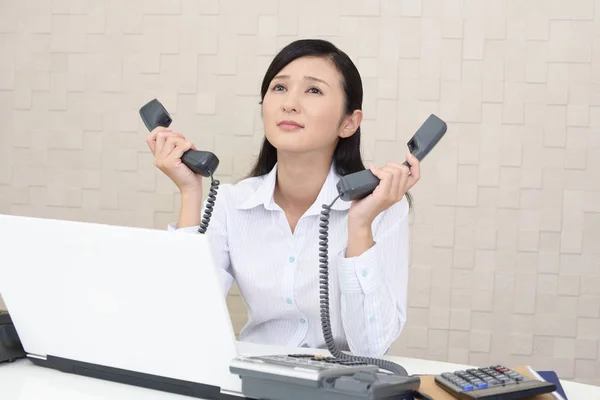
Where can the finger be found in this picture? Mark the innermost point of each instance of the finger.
(161, 138)
(152, 135)
(170, 143)
(401, 177)
(177, 135)
(394, 180)
(409, 158)
(385, 179)
(415, 168)
(181, 147)
(151, 138)
(151, 144)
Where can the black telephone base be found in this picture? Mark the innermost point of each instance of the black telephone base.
(360, 386)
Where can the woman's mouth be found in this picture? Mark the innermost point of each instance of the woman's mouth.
(289, 125)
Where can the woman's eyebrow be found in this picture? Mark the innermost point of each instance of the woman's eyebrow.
(310, 78)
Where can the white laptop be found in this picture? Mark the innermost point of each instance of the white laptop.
(131, 305)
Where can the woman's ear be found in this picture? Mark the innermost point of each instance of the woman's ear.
(262, 117)
(351, 123)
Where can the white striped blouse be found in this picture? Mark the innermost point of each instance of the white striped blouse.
(277, 272)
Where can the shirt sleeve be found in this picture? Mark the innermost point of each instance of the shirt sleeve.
(218, 240)
(374, 285)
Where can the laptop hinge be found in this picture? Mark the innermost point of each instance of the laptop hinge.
(38, 356)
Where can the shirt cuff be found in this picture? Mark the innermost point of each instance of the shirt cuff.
(361, 273)
(172, 227)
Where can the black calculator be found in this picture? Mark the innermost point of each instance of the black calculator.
(495, 382)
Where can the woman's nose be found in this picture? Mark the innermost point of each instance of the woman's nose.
(290, 102)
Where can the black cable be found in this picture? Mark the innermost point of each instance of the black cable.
(210, 203)
(324, 301)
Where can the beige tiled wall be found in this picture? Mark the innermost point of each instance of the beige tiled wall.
(505, 264)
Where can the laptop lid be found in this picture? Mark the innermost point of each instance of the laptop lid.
(137, 299)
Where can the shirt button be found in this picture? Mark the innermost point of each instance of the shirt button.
(364, 273)
(372, 318)
(302, 321)
(292, 259)
(288, 300)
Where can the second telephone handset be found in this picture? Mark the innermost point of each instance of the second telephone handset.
(154, 114)
(360, 184)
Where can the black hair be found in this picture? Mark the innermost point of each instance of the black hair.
(347, 155)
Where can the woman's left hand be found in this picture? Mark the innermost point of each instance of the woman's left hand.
(395, 180)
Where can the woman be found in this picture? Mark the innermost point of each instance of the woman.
(264, 230)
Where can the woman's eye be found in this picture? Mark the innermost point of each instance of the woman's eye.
(314, 90)
(278, 87)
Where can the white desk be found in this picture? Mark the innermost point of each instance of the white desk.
(22, 380)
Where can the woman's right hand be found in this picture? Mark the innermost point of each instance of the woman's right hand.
(168, 148)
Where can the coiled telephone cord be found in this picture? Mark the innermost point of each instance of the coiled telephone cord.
(324, 301)
(210, 203)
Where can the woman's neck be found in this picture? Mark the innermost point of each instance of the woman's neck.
(299, 181)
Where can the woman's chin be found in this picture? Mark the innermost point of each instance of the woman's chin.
(294, 143)
(286, 141)
(292, 148)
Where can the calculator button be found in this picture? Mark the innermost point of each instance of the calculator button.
(467, 388)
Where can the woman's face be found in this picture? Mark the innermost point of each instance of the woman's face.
(304, 106)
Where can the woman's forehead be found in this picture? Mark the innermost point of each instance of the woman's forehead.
(311, 68)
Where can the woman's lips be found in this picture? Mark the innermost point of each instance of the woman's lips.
(289, 125)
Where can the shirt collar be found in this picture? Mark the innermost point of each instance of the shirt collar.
(264, 194)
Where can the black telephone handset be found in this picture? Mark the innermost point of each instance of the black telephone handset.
(205, 163)
(360, 184)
